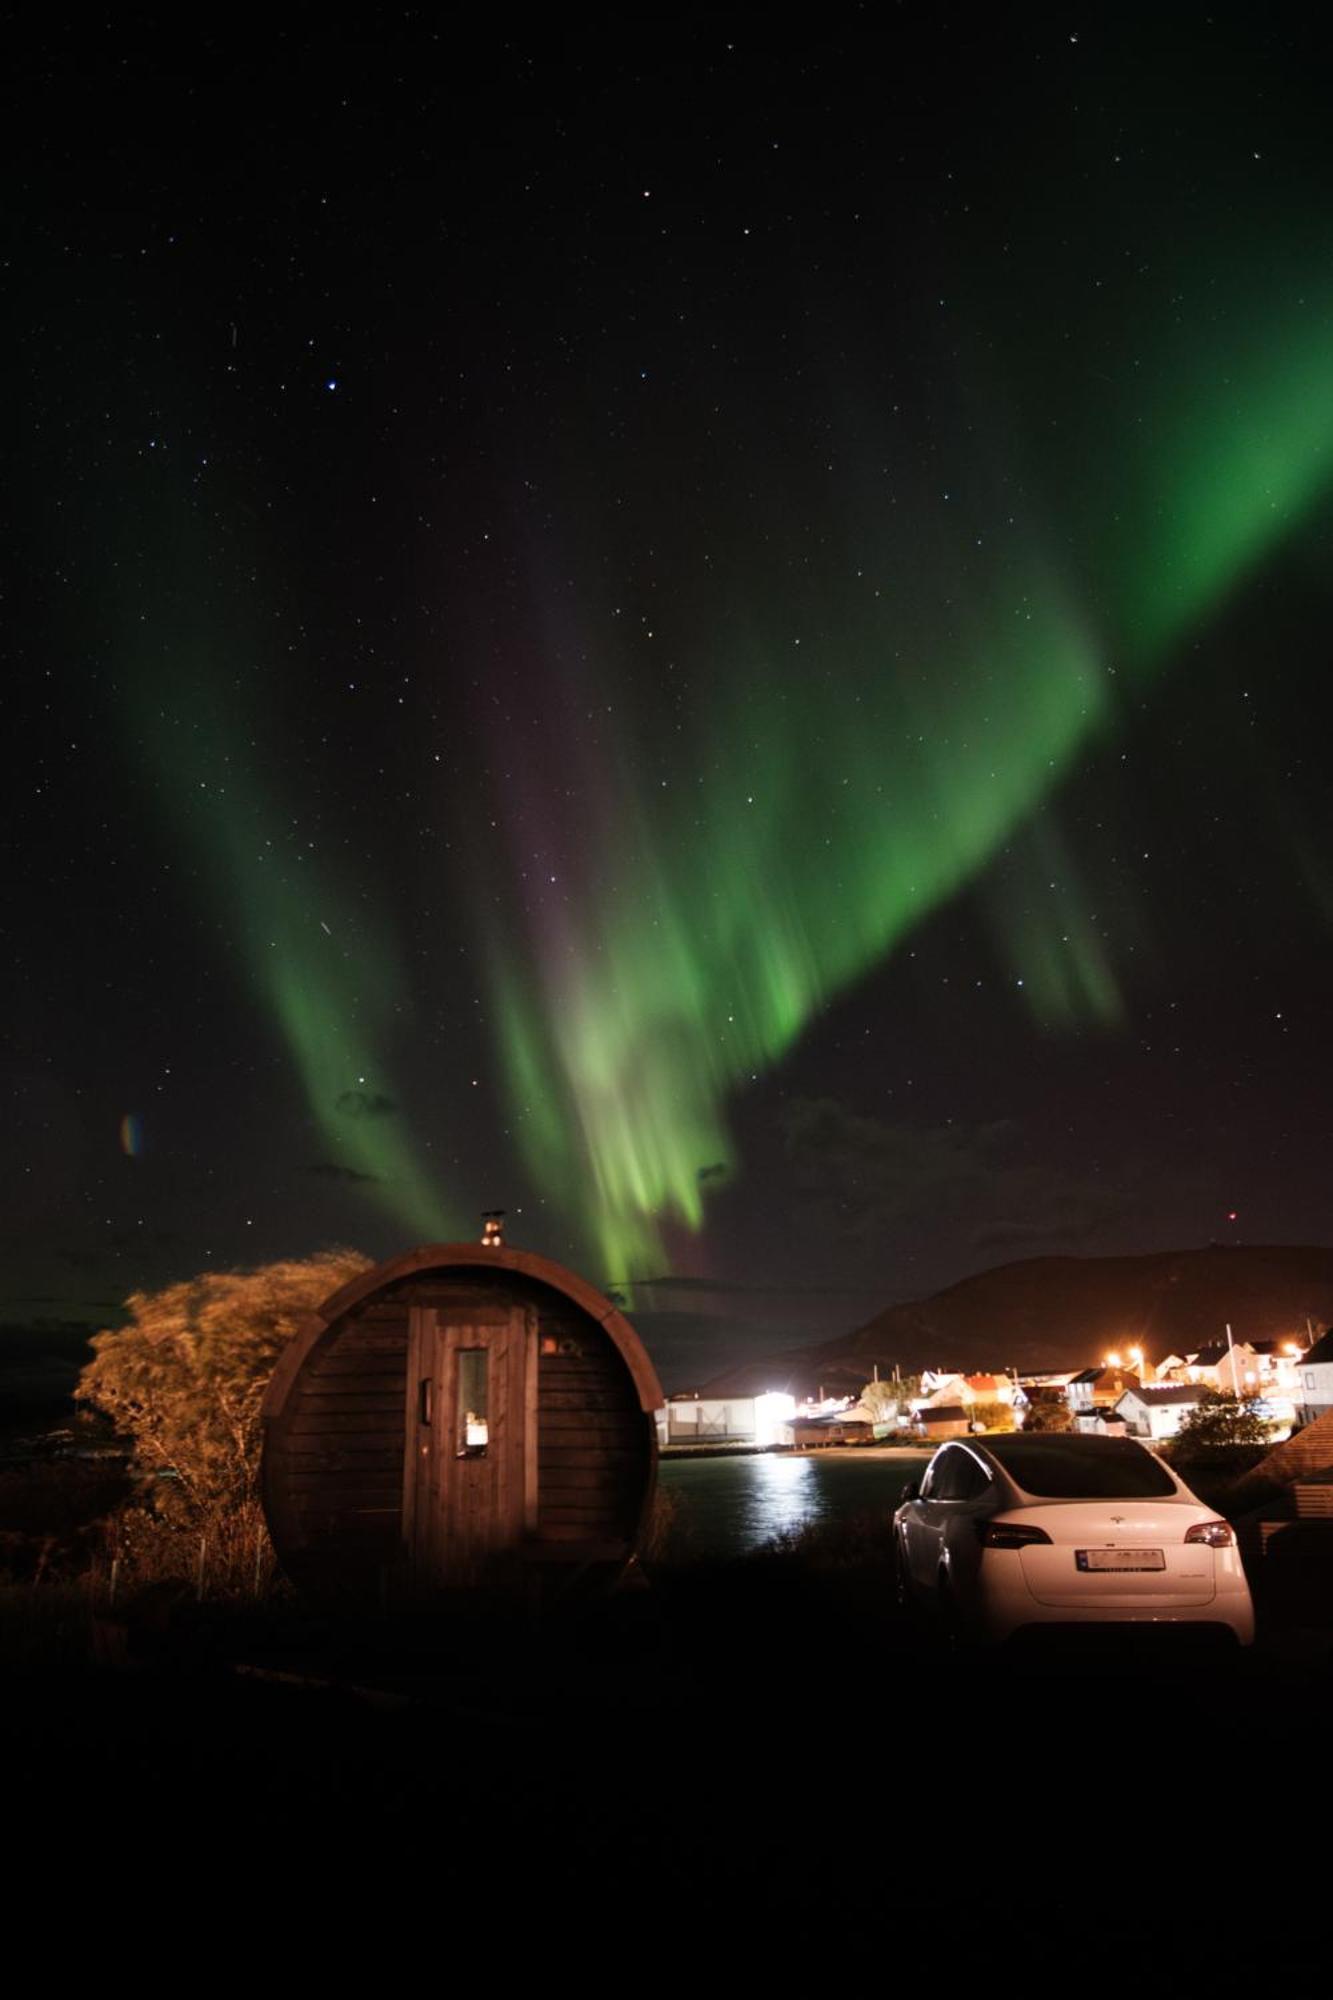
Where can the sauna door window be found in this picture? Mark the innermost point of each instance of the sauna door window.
(472, 1402)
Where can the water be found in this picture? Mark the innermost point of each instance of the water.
(726, 1506)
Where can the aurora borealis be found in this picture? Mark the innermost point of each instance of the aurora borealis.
(844, 796)
(738, 684)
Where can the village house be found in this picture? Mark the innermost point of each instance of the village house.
(942, 1420)
(1212, 1368)
(1246, 1368)
(849, 1425)
(1096, 1389)
(1101, 1421)
(753, 1420)
(1158, 1409)
(940, 1386)
(1267, 1373)
(1314, 1393)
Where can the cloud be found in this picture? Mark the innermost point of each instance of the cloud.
(717, 1172)
(865, 1179)
(365, 1104)
(333, 1172)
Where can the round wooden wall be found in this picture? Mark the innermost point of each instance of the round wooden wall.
(366, 1497)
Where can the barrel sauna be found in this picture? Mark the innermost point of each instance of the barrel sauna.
(463, 1417)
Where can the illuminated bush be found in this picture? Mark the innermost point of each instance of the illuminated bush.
(995, 1416)
(184, 1381)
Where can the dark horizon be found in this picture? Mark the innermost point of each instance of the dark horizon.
(697, 1332)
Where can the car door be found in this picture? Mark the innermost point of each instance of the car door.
(967, 1495)
(924, 1519)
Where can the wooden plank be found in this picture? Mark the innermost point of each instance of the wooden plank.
(364, 1448)
(417, 1441)
(359, 1520)
(323, 1392)
(566, 1511)
(531, 1428)
(350, 1422)
(619, 1476)
(601, 1423)
(596, 1458)
(327, 1423)
(364, 1340)
(375, 1411)
(574, 1545)
(356, 1368)
(387, 1464)
(575, 1371)
(606, 1402)
(378, 1471)
(382, 1481)
(570, 1533)
(561, 1479)
(384, 1472)
(362, 1357)
(461, 1307)
(603, 1362)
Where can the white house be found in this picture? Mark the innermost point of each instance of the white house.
(1098, 1421)
(756, 1420)
(1159, 1409)
(1245, 1368)
(1094, 1389)
(940, 1387)
(1314, 1394)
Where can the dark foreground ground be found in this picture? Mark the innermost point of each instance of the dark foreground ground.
(751, 1770)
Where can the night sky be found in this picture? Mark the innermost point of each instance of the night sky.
(713, 638)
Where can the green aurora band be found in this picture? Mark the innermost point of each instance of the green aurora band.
(832, 817)
(329, 977)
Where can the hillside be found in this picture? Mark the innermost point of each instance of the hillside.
(1064, 1312)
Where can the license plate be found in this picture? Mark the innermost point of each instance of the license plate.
(1120, 1558)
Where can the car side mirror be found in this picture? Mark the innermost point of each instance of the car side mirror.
(912, 1490)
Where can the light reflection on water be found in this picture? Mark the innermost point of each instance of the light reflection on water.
(725, 1506)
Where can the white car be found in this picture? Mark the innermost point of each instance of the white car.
(1015, 1530)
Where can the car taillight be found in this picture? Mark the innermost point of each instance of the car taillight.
(1010, 1535)
(1217, 1534)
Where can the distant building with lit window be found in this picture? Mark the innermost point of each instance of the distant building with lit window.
(1314, 1395)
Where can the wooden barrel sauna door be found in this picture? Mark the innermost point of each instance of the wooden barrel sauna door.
(470, 1473)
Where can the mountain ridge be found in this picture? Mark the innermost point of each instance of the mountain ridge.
(1064, 1312)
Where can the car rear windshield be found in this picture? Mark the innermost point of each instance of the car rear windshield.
(1073, 1468)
